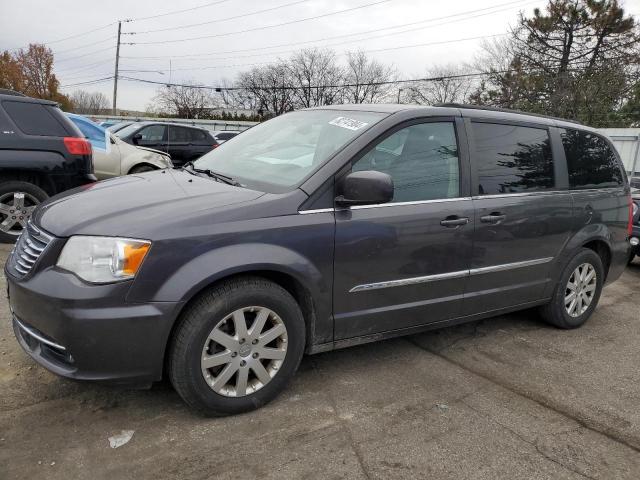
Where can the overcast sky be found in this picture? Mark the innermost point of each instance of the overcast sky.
(396, 32)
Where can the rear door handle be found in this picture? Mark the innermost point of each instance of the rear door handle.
(454, 221)
(494, 217)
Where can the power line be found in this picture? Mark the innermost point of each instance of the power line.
(85, 55)
(398, 47)
(58, 52)
(311, 87)
(87, 32)
(178, 27)
(174, 12)
(90, 82)
(263, 27)
(377, 30)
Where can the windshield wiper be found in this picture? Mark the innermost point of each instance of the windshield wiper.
(218, 176)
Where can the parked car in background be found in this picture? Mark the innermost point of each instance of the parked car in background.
(320, 229)
(184, 143)
(112, 157)
(42, 153)
(634, 182)
(635, 234)
(224, 135)
(116, 127)
(108, 123)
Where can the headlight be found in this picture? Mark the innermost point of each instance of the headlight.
(103, 259)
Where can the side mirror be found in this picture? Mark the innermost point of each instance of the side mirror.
(368, 187)
(137, 137)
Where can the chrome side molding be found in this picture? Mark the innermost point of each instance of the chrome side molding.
(449, 275)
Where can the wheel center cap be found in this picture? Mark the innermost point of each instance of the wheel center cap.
(244, 350)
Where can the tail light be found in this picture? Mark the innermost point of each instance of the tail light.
(630, 225)
(77, 146)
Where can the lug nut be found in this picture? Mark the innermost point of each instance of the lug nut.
(243, 363)
(255, 355)
(234, 354)
(254, 342)
(242, 340)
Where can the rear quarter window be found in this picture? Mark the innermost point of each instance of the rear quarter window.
(35, 118)
(591, 161)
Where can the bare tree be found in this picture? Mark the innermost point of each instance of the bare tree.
(89, 103)
(189, 100)
(316, 77)
(446, 84)
(367, 79)
(268, 89)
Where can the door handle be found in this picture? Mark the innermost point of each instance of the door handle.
(453, 221)
(493, 217)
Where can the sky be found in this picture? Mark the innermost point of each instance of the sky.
(210, 42)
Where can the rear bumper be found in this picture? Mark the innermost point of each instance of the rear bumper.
(89, 332)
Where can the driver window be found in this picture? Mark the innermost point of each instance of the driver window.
(152, 133)
(421, 159)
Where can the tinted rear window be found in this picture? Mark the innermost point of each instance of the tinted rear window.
(512, 158)
(590, 160)
(35, 118)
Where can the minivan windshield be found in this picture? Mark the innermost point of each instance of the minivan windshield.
(275, 156)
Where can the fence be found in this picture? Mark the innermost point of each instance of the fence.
(627, 142)
(212, 125)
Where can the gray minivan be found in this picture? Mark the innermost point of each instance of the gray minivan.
(319, 229)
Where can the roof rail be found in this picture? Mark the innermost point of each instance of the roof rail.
(504, 110)
(6, 91)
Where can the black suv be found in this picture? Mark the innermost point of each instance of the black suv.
(42, 153)
(317, 230)
(183, 143)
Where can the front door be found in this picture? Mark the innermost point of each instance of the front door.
(153, 136)
(523, 215)
(405, 263)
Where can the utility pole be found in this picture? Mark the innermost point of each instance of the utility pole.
(115, 76)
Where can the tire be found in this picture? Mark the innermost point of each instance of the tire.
(556, 312)
(32, 196)
(141, 169)
(632, 256)
(207, 390)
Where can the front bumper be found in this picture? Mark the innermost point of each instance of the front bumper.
(89, 332)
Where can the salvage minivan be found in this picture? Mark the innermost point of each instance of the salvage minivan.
(319, 229)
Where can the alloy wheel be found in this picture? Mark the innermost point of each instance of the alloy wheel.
(15, 210)
(580, 290)
(244, 351)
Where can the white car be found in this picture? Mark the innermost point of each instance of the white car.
(112, 157)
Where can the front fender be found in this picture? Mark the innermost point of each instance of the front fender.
(229, 260)
(144, 157)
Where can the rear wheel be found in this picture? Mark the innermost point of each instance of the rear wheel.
(17, 201)
(236, 346)
(577, 292)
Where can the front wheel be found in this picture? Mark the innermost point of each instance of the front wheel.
(577, 292)
(236, 346)
(17, 201)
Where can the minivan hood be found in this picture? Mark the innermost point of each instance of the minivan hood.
(135, 204)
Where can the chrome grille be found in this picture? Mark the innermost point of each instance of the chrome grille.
(31, 243)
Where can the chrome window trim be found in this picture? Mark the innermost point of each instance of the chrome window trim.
(450, 275)
(549, 192)
(37, 336)
(415, 202)
(317, 210)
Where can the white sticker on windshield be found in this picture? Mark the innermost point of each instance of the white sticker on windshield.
(348, 123)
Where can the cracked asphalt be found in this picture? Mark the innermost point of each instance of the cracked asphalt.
(504, 398)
